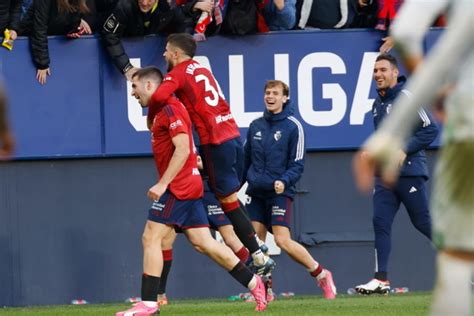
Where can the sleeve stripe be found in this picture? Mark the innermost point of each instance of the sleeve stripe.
(300, 145)
(424, 117)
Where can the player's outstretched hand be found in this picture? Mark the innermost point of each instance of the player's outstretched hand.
(381, 152)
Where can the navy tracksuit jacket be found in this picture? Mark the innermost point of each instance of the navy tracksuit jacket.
(411, 187)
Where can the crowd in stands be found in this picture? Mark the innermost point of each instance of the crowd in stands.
(114, 19)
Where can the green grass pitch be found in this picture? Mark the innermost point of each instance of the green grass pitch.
(345, 305)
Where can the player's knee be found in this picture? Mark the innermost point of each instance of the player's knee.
(282, 241)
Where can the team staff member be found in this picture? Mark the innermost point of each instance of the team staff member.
(274, 162)
(451, 63)
(139, 18)
(411, 187)
(219, 136)
(6, 139)
(177, 199)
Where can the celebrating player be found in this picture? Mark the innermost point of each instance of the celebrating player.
(221, 148)
(177, 199)
(274, 162)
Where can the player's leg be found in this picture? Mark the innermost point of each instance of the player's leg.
(152, 266)
(202, 241)
(224, 165)
(301, 255)
(453, 227)
(221, 223)
(453, 289)
(386, 204)
(233, 242)
(167, 251)
(259, 214)
(413, 194)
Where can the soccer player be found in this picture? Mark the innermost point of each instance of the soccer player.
(451, 61)
(177, 199)
(6, 139)
(274, 162)
(217, 221)
(221, 148)
(411, 187)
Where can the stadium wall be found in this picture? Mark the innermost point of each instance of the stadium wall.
(73, 205)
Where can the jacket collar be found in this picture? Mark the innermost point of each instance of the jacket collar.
(391, 93)
(287, 111)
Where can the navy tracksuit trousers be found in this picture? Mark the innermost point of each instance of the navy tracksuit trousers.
(411, 191)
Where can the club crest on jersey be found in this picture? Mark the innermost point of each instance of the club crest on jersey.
(277, 135)
(389, 108)
(258, 135)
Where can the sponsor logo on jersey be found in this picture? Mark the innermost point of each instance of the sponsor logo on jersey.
(413, 190)
(195, 172)
(176, 124)
(277, 211)
(223, 118)
(158, 206)
(389, 108)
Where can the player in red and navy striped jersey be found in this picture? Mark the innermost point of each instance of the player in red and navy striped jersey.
(221, 148)
(177, 199)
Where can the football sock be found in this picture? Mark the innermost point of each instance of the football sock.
(317, 271)
(242, 225)
(150, 286)
(242, 274)
(381, 275)
(452, 293)
(167, 261)
(243, 254)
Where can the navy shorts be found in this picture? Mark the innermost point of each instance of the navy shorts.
(215, 214)
(224, 165)
(274, 211)
(182, 214)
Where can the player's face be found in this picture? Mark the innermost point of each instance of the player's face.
(385, 75)
(142, 91)
(146, 5)
(274, 99)
(170, 55)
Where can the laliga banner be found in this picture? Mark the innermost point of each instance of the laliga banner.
(329, 74)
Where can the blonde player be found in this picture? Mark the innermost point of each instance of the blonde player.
(451, 62)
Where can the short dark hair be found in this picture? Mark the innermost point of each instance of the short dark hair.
(274, 83)
(149, 72)
(390, 58)
(183, 41)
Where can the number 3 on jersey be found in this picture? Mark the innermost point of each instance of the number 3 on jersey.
(214, 99)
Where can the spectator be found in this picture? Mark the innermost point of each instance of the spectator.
(328, 14)
(52, 17)
(139, 18)
(280, 14)
(25, 5)
(10, 11)
(208, 17)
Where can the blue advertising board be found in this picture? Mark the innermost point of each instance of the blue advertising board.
(85, 108)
